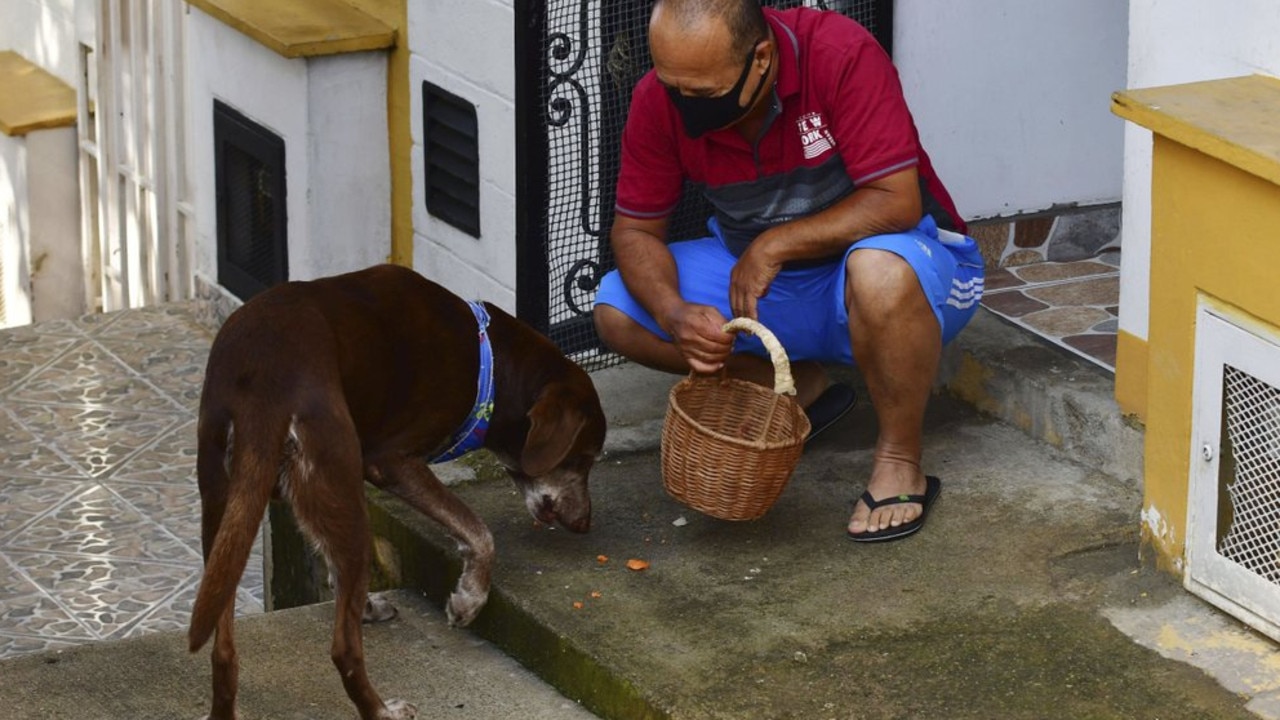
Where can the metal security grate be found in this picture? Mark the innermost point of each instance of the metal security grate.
(1249, 470)
(571, 105)
(252, 216)
(452, 156)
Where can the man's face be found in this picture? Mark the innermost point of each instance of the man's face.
(698, 65)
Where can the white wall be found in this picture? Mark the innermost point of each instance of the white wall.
(1012, 98)
(43, 32)
(15, 279)
(1172, 42)
(53, 209)
(466, 47)
(331, 113)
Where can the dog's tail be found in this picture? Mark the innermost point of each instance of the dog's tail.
(255, 464)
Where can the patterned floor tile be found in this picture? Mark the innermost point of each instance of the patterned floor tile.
(175, 613)
(105, 595)
(13, 645)
(96, 439)
(89, 375)
(162, 325)
(25, 453)
(1071, 304)
(1052, 271)
(177, 506)
(170, 458)
(97, 522)
(175, 370)
(23, 498)
(23, 355)
(12, 582)
(37, 614)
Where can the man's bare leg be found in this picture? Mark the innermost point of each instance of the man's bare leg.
(633, 341)
(897, 344)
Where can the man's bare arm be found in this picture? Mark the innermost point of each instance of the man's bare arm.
(886, 205)
(649, 272)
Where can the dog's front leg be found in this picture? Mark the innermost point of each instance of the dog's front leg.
(412, 481)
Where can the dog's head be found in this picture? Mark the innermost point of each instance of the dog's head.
(566, 433)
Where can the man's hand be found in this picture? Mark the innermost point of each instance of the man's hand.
(696, 331)
(751, 277)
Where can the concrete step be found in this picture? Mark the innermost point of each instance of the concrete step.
(284, 673)
(1050, 394)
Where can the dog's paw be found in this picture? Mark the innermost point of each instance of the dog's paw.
(464, 606)
(398, 710)
(378, 609)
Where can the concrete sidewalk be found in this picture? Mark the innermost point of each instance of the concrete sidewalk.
(1023, 596)
(997, 609)
(284, 673)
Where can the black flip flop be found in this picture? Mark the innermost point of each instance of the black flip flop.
(834, 403)
(933, 488)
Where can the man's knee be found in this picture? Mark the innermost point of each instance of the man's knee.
(609, 324)
(879, 277)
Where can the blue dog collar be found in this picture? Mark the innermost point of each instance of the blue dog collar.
(471, 435)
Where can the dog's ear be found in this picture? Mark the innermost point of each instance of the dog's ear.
(554, 423)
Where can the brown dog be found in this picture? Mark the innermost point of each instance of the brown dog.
(312, 386)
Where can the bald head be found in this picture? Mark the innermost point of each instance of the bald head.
(741, 22)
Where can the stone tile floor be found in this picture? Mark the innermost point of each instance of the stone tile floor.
(99, 512)
(1072, 304)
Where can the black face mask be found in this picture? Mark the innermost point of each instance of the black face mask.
(701, 115)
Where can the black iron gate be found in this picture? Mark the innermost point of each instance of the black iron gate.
(576, 62)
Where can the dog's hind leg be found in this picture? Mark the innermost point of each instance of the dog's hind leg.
(326, 488)
(412, 481)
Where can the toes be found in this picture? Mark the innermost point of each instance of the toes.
(896, 515)
(859, 523)
(882, 518)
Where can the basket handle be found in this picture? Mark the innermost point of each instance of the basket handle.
(783, 384)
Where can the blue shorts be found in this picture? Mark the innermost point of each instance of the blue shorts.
(805, 307)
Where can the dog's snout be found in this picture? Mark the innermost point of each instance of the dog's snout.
(546, 509)
(581, 525)
(551, 505)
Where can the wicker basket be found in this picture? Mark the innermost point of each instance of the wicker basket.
(729, 446)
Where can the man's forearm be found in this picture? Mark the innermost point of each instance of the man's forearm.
(867, 211)
(648, 271)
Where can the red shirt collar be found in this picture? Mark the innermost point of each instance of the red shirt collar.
(788, 82)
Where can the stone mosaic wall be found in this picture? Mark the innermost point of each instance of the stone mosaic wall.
(1077, 234)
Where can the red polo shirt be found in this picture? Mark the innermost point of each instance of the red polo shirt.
(839, 120)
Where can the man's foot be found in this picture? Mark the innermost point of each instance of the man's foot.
(889, 480)
(895, 532)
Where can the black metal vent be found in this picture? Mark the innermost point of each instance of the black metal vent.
(452, 155)
(576, 62)
(252, 216)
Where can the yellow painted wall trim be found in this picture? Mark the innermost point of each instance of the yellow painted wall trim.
(1131, 374)
(1233, 120)
(303, 28)
(31, 98)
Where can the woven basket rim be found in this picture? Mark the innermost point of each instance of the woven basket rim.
(674, 404)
